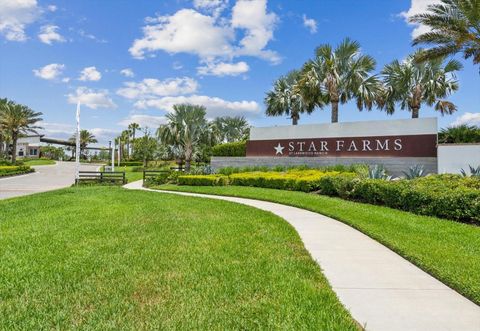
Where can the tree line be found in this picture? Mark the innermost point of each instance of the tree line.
(335, 76)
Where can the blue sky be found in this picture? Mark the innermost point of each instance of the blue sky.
(131, 60)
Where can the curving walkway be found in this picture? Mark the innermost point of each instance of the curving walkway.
(45, 178)
(382, 290)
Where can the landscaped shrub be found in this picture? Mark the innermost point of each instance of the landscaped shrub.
(14, 170)
(445, 196)
(203, 180)
(230, 149)
(294, 180)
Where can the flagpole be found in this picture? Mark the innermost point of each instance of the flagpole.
(77, 146)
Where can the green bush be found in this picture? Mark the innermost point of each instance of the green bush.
(203, 180)
(230, 149)
(14, 170)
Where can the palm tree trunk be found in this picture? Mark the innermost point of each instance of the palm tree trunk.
(415, 111)
(187, 165)
(14, 147)
(295, 119)
(334, 111)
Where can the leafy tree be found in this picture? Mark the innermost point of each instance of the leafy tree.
(133, 127)
(52, 152)
(231, 129)
(454, 28)
(459, 134)
(336, 76)
(17, 119)
(145, 147)
(412, 84)
(86, 138)
(286, 98)
(187, 131)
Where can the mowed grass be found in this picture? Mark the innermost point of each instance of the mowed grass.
(35, 162)
(106, 258)
(448, 250)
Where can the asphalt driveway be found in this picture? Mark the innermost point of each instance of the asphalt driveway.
(45, 178)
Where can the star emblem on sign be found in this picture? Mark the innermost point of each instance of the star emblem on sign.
(278, 149)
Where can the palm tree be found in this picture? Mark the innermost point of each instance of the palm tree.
(459, 134)
(412, 84)
(125, 139)
(86, 138)
(231, 129)
(133, 127)
(454, 28)
(286, 99)
(187, 130)
(335, 76)
(17, 119)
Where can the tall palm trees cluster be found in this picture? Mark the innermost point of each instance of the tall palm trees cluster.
(188, 134)
(15, 120)
(335, 76)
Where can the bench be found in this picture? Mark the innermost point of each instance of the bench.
(115, 177)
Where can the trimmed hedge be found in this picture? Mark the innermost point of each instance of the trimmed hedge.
(446, 196)
(203, 180)
(294, 180)
(14, 170)
(230, 149)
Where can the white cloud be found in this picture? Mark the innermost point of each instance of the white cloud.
(90, 36)
(127, 72)
(150, 88)
(90, 74)
(143, 120)
(50, 71)
(91, 98)
(52, 8)
(208, 36)
(15, 16)
(418, 7)
(252, 16)
(223, 69)
(177, 65)
(186, 31)
(215, 106)
(310, 24)
(56, 128)
(467, 118)
(48, 34)
(214, 7)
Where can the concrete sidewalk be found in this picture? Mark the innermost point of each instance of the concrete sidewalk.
(45, 178)
(382, 290)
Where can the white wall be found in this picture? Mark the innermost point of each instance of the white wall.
(404, 127)
(454, 157)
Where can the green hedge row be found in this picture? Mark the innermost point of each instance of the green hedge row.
(14, 170)
(203, 180)
(446, 196)
(230, 149)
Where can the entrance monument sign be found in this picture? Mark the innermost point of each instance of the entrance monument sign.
(397, 144)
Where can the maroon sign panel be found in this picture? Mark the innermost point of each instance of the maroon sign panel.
(376, 146)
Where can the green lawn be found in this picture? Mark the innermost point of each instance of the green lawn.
(105, 258)
(448, 250)
(36, 162)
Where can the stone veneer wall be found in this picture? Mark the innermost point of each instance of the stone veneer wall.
(395, 166)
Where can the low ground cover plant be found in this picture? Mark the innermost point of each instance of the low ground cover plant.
(14, 170)
(114, 259)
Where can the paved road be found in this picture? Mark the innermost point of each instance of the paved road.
(45, 178)
(381, 290)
